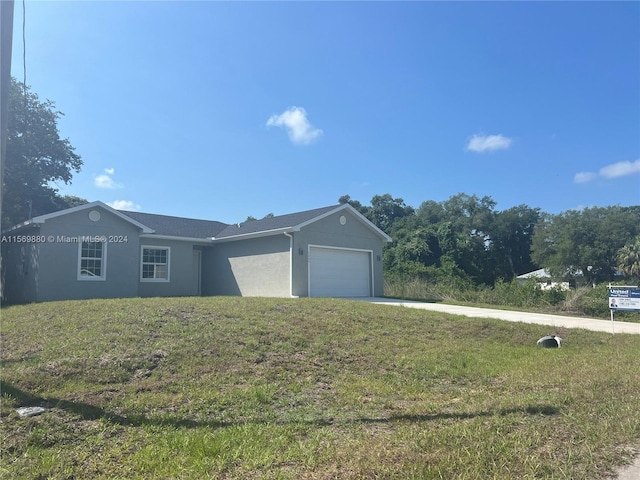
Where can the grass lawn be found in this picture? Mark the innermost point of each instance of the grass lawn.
(196, 388)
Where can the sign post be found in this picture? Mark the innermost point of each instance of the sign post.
(623, 297)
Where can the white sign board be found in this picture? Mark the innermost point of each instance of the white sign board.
(624, 298)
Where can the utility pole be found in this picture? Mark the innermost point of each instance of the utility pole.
(6, 40)
(6, 44)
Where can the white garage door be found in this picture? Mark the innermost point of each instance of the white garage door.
(336, 272)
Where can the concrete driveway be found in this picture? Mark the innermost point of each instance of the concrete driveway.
(511, 316)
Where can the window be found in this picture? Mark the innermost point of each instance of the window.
(155, 264)
(92, 261)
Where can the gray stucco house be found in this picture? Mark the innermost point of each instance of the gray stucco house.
(95, 251)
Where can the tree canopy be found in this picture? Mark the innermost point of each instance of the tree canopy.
(251, 218)
(466, 237)
(585, 241)
(36, 157)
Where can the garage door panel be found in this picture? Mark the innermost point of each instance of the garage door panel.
(339, 272)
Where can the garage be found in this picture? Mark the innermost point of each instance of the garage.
(339, 272)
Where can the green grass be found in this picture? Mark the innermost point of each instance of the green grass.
(221, 388)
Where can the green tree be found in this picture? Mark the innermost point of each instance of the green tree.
(69, 201)
(251, 218)
(449, 238)
(385, 210)
(354, 203)
(465, 235)
(413, 241)
(585, 241)
(36, 157)
(510, 238)
(629, 259)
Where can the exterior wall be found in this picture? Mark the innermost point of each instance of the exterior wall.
(183, 274)
(257, 267)
(45, 271)
(330, 232)
(56, 270)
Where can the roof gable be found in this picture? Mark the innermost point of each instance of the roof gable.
(278, 223)
(368, 223)
(292, 222)
(43, 218)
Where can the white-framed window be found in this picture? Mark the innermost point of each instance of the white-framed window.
(155, 264)
(92, 260)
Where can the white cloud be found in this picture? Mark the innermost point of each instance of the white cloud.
(294, 120)
(125, 205)
(615, 170)
(106, 181)
(488, 143)
(584, 177)
(620, 169)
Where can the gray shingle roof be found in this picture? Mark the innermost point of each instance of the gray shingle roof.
(273, 223)
(178, 226)
(193, 228)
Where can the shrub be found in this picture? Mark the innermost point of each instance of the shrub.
(555, 295)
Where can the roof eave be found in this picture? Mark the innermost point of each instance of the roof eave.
(263, 233)
(203, 241)
(20, 226)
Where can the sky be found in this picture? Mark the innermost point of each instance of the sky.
(223, 110)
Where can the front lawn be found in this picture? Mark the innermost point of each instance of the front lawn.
(195, 388)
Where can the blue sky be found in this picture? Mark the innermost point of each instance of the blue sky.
(222, 110)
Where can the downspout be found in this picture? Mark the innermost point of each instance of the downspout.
(290, 265)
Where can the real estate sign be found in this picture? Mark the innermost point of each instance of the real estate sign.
(624, 298)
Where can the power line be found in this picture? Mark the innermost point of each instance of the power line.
(24, 50)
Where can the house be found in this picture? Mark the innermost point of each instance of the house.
(546, 281)
(95, 251)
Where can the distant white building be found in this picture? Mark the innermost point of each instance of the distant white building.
(545, 280)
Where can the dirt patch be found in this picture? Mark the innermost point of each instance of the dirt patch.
(630, 471)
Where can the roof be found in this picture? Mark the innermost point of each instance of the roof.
(178, 226)
(542, 273)
(194, 229)
(281, 222)
(292, 222)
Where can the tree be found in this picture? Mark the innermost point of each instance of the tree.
(465, 232)
(413, 241)
(629, 259)
(354, 203)
(36, 157)
(70, 201)
(510, 237)
(585, 241)
(251, 218)
(385, 210)
(452, 237)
